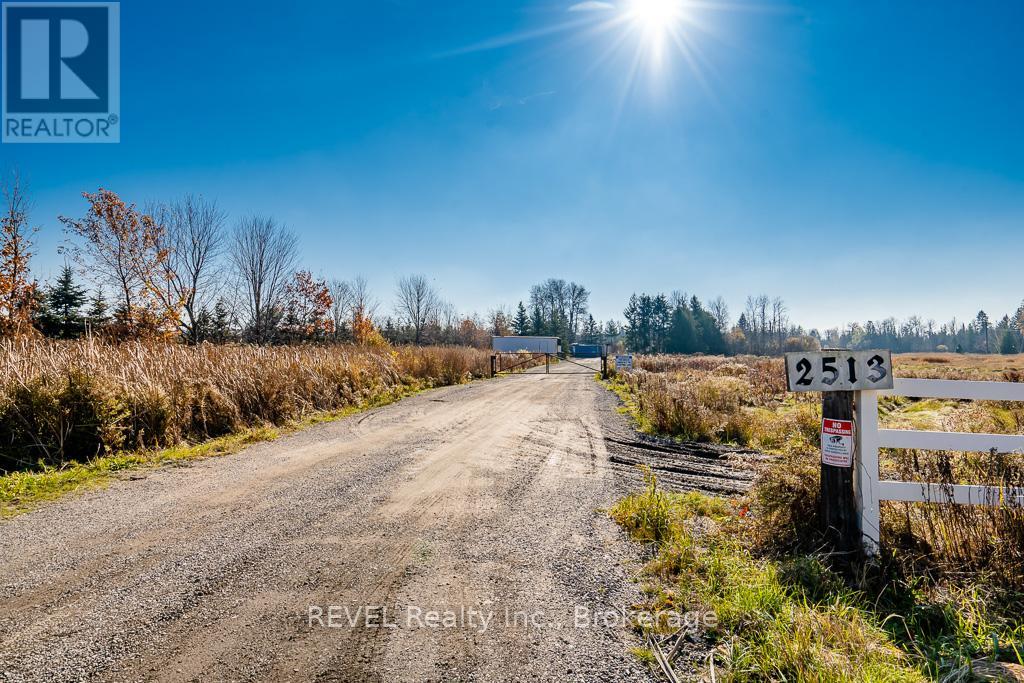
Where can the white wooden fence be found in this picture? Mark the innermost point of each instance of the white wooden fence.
(870, 491)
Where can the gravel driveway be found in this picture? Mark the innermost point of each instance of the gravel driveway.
(373, 548)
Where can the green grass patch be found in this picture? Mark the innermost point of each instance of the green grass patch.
(793, 616)
(776, 620)
(630, 407)
(644, 655)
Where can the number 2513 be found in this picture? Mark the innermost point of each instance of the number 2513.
(830, 370)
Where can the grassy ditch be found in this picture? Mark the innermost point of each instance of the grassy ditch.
(23, 491)
(774, 621)
(794, 617)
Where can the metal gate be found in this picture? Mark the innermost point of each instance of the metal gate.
(522, 358)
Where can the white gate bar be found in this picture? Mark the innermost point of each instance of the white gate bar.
(955, 388)
(865, 477)
(950, 441)
(869, 491)
(963, 494)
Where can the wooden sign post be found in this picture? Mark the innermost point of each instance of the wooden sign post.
(839, 518)
(838, 374)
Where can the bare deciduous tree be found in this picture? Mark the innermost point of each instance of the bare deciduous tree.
(720, 312)
(195, 239)
(444, 323)
(559, 306)
(417, 302)
(779, 323)
(341, 305)
(265, 254)
(363, 302)
(577, 303)
(756, 314)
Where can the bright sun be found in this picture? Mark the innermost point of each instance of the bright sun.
(656, 16)
(659, 22)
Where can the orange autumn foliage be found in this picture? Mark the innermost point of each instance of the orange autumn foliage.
(308, 307)
(124, 247)
(17, 289)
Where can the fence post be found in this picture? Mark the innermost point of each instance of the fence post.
(866, 473)
(547, 363)
(839, 517)
(494, 359)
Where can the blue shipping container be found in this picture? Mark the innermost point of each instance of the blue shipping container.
(586, 350)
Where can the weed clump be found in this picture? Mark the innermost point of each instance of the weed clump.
(792, 620)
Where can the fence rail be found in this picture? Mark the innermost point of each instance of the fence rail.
(870, 491)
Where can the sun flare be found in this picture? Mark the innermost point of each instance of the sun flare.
(656, 16)
(658, 22)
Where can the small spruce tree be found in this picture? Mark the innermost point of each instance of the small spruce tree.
(521, 323)
(98, 315)
(220, 326)
(65, 300)
(537, 323)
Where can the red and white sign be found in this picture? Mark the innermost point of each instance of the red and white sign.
(837, 442)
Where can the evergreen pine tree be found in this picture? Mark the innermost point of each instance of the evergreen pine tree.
(537, 322)
(709, 337)
(682, 335)
(660, 322)
(220, 326)
(1009, 344)
(982, 323)
(64, 301)
(42, 317)
(390, 332)
(202, 328)
(521, 323)
(97, 315)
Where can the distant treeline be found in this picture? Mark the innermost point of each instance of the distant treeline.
(180, 270)
(677, 324)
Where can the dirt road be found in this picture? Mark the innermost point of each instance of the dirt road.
(472, 502)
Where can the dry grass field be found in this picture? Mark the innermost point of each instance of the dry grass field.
(985, 367)
(949, 588)
(64, 401)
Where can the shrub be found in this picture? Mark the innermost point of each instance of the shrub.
(44, 418)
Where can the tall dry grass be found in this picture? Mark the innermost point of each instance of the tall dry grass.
(727, 400)
(62, 401)
(960, 540)
(744, 400)
(991, 367)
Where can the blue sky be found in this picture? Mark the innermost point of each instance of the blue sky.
(859, 159)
